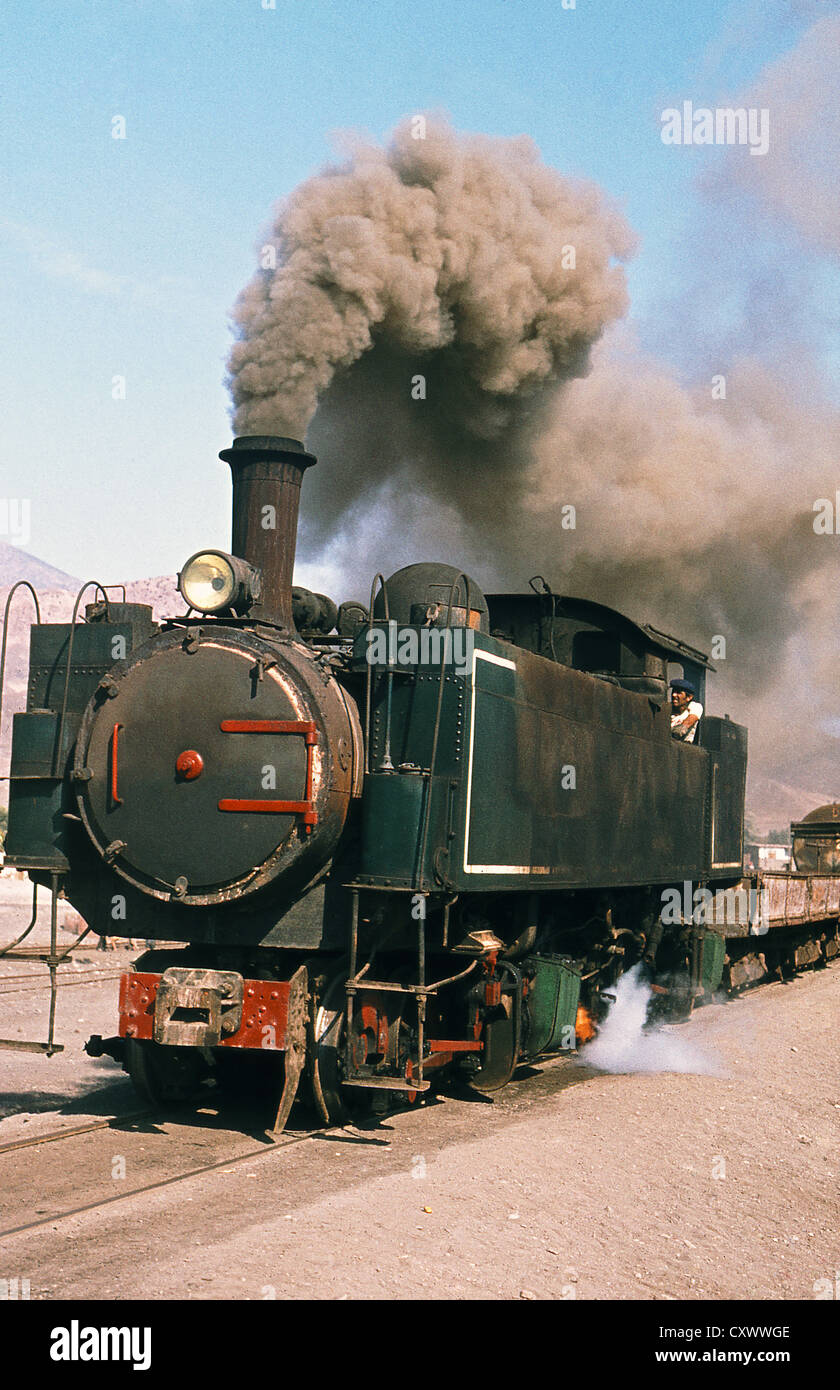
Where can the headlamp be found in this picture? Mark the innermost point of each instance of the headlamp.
(212, 582)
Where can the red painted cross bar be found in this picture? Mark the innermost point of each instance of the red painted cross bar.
(304, 808)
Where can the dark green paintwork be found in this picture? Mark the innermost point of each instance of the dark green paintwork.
(393, 804)
(96, 648)
(552, 1004)
(37, 834)
(639, 811)
(712, 952)
(37, 801)
(391, 826)
(33, 744)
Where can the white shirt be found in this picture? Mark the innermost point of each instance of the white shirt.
(677, 721)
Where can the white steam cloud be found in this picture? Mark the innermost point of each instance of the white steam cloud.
(623, 1044)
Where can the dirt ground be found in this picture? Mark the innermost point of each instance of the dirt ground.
(29, 1083)
(571, 1184)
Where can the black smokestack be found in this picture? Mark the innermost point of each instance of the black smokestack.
(267, 474)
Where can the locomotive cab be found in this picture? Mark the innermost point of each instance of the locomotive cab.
(598, 640)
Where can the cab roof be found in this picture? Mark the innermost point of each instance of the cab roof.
(610, 620)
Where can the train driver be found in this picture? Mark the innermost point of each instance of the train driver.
(686, 712)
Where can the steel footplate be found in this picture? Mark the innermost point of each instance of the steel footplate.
(387, 1083)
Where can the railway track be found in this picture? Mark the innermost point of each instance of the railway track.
(30, 983)
(271, 1146)
(284, 1142)
(73, 1132)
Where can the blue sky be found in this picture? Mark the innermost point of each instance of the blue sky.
(123, 257)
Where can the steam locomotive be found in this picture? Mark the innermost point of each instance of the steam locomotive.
(376, 846)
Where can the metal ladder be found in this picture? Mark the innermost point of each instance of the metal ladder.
(413, 1080)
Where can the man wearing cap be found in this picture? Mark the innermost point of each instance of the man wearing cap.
(686, 712)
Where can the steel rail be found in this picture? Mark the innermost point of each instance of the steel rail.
(35, 988)
(52, 1136)
(33, 975)
(284, 1142)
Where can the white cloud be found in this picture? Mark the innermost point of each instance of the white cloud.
(57, 261)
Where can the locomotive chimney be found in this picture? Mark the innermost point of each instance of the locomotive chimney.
(267, 473)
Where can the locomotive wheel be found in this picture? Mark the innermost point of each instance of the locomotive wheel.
(164, 1075)
(500, 1059)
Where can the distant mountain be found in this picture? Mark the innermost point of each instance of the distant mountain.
(772, 805)
(18, 564)
(161, 593)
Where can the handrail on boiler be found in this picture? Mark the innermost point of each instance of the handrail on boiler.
(21, 584)
(59, 739)
(387, 764)
(427, 809)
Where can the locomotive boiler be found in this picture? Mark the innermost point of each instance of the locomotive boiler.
(375, 845)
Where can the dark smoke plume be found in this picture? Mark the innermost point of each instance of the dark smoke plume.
(442, 258)
(453, 252)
